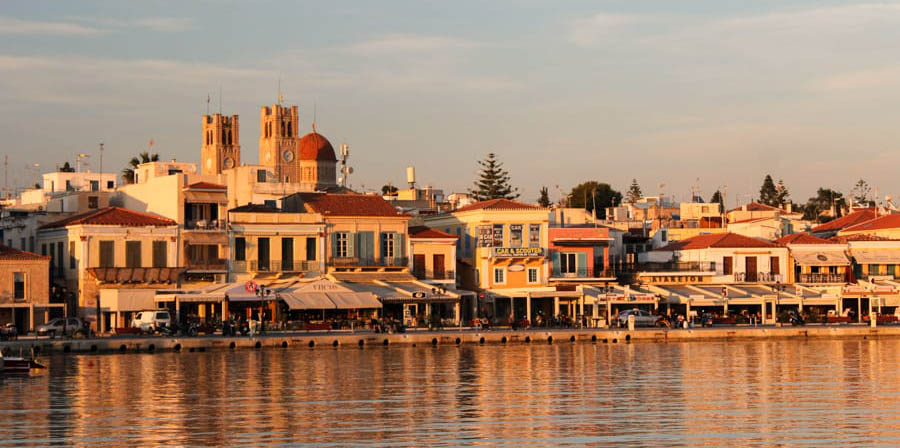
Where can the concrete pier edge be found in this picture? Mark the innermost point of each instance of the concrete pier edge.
(359, 340)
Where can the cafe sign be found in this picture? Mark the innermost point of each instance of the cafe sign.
(517, 252)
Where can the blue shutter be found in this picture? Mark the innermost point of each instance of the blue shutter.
(581, 268)
(556, 264)
(399, 247)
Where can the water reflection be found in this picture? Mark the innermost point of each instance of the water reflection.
(758, 393)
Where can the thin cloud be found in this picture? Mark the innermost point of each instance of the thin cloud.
(409, 43)
(9, 25)
(588, 31)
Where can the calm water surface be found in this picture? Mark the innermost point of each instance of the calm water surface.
(772, 393)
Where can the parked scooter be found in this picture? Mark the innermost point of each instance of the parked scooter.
(796, 319)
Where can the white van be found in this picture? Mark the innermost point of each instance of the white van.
(151, 320)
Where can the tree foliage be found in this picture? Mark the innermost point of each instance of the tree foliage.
(824, 200)
(768, 193)
(717, 197)
(493, 181)
(861, 194)
(782, 195)
(544, 199)
(589, 194)
(634, 192)
(388, 190)
(66, 168)
(143, 157)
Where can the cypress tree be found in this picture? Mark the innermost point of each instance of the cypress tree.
(768, 193)
(544, 199)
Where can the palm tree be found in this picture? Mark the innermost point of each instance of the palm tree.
(128, 171)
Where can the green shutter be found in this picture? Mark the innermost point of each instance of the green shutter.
(350, 238)
(334, 247)
(556, 263)
(399, 247)
(582, 263)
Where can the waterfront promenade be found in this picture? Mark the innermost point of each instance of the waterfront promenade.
(362, 339)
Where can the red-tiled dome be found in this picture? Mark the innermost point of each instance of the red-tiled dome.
(314, 146)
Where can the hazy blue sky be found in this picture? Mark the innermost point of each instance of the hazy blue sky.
(564, 91)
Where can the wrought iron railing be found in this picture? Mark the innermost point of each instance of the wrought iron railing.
(369, 261)
(673, 266)
(583, 273)
(757, 277)
(429, 275)
(822, 278)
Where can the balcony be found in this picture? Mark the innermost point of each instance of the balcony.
(201, 224)
(368, 262)
(582, 273)
(277, 266)
(757, 277)
(822, 278)
(674, 266)
(429, 275)
(214, 264)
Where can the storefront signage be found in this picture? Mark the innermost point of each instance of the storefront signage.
(516, 268)
(485, 236)
(512, 252)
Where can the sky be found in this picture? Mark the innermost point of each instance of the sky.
(676, 94)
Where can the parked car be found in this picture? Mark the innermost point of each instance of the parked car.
(151, 320)
(641, 318)
(8, 332)
(61, 326)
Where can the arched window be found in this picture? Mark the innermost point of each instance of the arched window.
(289, 129)
(224, 136)
(282, 128)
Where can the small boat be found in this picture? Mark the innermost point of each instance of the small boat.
(17, 365)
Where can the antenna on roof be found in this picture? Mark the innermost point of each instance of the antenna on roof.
(280, 95)
(315, 110)
(220, 100)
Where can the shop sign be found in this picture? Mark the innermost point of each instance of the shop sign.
(514, 252)
(485, 236)
(516, 268)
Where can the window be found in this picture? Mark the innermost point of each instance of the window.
(477, 277)
(468, 245)
(30, 244)
(107, 254)
(533, 276)
(52, 256)
(341, 244)
(240, 249)
(499, 276)
(71, 255)
(534, 235)
(93, 202)
(774, 266)
(287, 254)
(95, 185)
(515, 235)
(262, 254)
(110, 184)
(43, 248)
(270, 203)
(19, 285)
(160, 254)
(873, 269)
(69, 185)
(311, 249)
(132, 254)
(261, 176)
(387, 245)
(567, 263)
(727, 265)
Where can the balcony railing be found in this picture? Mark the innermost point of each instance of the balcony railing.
(822, 278)
(679, 266)
(201, 224)
(607, 272)
(368, 262)
(277, 266)
(214, 264)
(429, 275)
(757, 277)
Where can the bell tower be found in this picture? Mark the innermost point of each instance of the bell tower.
(221, 144)
(278, 149)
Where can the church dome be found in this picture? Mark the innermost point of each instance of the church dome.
(314, 146)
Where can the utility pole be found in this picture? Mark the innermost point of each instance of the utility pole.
(101, 165)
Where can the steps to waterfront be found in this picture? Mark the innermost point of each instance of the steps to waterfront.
(368, 339)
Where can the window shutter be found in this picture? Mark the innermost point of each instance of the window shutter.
(582, 263)
(557, 268)
(381, 246)
(350, 238)
(334, 248)
(399, 247)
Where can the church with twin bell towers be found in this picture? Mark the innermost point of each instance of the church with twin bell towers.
(309, 160)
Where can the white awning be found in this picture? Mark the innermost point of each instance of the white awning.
(354, 300)
(307, 301)
(821, 258)
(876, 256)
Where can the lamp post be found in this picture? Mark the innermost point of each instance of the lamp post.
(778, 288)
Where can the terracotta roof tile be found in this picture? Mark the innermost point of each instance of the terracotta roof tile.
(857, 217)
(801, 238)
(347, 204)
(499, 204)
(8, 253)
(255, 208)
(427, 232)
(206, 186)
(891, 221)
(857, 237)
(111, 216)
(716, 240)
